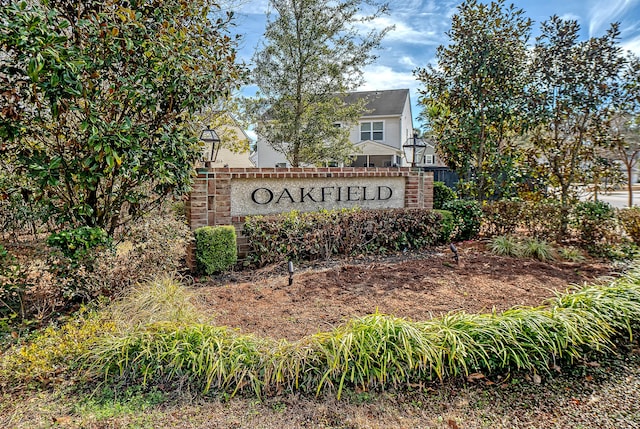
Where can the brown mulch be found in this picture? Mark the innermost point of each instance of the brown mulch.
(415, 286)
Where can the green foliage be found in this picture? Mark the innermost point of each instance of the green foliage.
(467, 215)
(53, 354)
(474, 97)
(46, 284)
(216, 248)
(206, 357)
(505, 246)
(595, 222)
(527, 247)
(543, 219)
(447, 225)
(20, 212)
(112, 402)
(77, 243)
(573, 92)
(442, 194)
(95, 99)
(319, 235)
(501, 217)
(537, 249)
(374, 351)
(571, 254)
(630, 220)
(313, 53)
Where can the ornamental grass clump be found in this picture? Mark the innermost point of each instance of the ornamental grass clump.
(371, 352)
(537, 249)
(201, 356)
(505, 245)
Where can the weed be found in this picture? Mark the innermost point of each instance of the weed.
(571, 254)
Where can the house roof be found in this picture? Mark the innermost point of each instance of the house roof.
(389, 102)
(370, 147)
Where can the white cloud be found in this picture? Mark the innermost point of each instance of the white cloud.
(402, 32)
(408, 61)
(384, 77)
(570, 17)
(632, 45)
(604, 13)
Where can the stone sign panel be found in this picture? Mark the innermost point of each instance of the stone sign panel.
(270, 196)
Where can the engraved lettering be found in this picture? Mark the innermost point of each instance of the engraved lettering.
(326, 192)
(353, 191)
(364, 195)
(387, 194)
(262, 196)
(307, 194)
(285, 194)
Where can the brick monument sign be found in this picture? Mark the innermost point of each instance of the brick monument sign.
(225, 196)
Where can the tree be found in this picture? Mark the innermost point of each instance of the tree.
(571, 97)
(312, 56)
(225, 119)
(95, 98)
(622, 138)
(473, 100)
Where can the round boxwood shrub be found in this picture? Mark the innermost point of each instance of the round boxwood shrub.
(441, 195)
(216, 248)
(467, 216)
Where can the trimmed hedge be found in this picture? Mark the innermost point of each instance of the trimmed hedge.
(319, 235)
(216, 248)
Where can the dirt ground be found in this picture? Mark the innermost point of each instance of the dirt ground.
(414, 286)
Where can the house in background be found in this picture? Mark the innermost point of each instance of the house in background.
(378, 136)
(227, 145)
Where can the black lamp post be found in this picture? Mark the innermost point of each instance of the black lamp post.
(209, 136)
(414, 150)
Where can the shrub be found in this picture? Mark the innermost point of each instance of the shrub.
(45, 283)
(501, 217)
(76, 243)
(630, 220)
(505, 246)
(543, 219)
(595, 223)
(54, 354)
(317, 235)
(442, 194)
(467, 216)
(216, 248)
(447, 225)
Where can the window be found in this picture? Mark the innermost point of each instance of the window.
(428, 159)
(372, 131)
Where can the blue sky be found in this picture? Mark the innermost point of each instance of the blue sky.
(421, 26)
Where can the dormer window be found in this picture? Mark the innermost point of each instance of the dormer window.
(372, 131)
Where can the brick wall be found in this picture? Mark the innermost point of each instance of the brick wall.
(209, 203)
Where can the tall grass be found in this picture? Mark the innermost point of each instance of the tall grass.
(375, 351)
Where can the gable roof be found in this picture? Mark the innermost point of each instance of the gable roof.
(389, 102)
